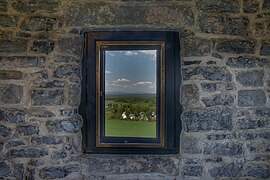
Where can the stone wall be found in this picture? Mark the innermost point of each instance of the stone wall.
(225, 56)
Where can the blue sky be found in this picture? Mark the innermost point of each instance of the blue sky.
(130, 71)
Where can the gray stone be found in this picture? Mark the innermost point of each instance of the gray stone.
(66, 59)
(188, 63)
(38, 23)
(248, 98)
(208, 119)
(223, 149)
(250, 78)
(263, 113)
(250, 6)
(1, 145)
(5, 34)
(68, 112)
(10, 46)
(43, 46)
(47, 140)
(22, 61)
(207, 73)
(196, 47)
(248, 123)
(72, 46)
(10, 74)
(30, 173)
(18, 171)
(28, 130)
(33, 6)
(50, 84)
(5, 131)
(218, 99)
(209, 87)
(41, 112)
(265, 49)
(5, 170)
(222, 24)
(234, 169)
(71, 125)
(67, 70)
(7, 21)
(47, 97)
(266, 4)
(23, 35)
(247, 62)
(193, 170)
(3, 6)
(13, 115)
(191, 145)
(14, 143)
(39, 76)
(58, 172)
(10, 93)
(189, 94)
(58, 155)
(259, 146)
(74, 94)
(125, 164)
(258, 170)
(236, 46)
(231, 6)
(27, 153)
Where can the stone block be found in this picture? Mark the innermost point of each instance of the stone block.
(22, 61)
(247, 62)
(5, 34)
(27, 130)
(190, 94)
(50, 84)
(218, 100)
(5, 170)
(38, 23)
(188, 63)
(231, 6)
(265, 49)
(47, 140)
(67, 71)
(212, 87)
(196, 47)
(264, 113)
(236, 46)
(23, 35)
(223, 149)
(10, 46)
(207, 119)
(1, 146)
(258, 170)
(10, 93)
(8, 21)
(259, 146)
(222, 24)
(41, 112)
(58, 155)
(71, 125)
(47, 97)
(13, 115)
(43, 46)
(27, 153)
(207, 73)
(249, 98)
(18, 171)
(193, 170)
(15, 143)
(5, 131)
(3, 6)
(234, 169)
(33, 6)
(10, 74)
(250, 78)
(125, 164)
(191, 145)
(250, 6)
(58, 172)
(66, 59)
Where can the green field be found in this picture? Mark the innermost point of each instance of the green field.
(131, 105)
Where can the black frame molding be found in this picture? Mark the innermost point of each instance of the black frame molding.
(173, 109)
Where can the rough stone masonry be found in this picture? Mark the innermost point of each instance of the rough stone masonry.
(225, 57)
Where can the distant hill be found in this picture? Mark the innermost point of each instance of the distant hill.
(125, 93)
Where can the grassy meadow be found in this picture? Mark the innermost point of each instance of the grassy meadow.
(130, 115)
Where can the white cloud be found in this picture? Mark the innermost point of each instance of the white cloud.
(121, 80)
(108, 72)
(111, 54)
(131, 53)
(143, 83)
(152, 53)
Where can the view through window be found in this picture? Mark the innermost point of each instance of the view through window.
(130, 93)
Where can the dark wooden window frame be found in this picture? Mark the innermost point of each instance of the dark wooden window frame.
(172, 112)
